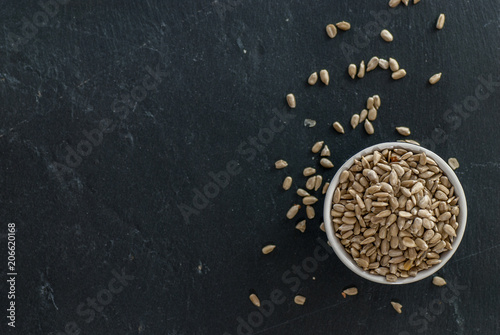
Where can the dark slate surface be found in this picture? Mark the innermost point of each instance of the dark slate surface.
(222, 70)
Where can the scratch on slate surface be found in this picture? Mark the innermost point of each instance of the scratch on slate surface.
(46, 290)
(486, 165)
(300, 317)
(476, 253)
(459, 318)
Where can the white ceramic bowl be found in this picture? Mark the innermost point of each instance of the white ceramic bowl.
(348, 260)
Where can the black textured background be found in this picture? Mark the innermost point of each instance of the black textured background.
(225, 66)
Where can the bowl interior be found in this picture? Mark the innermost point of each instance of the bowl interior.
(348, 260)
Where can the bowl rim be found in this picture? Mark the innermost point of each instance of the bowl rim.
(348, 260)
